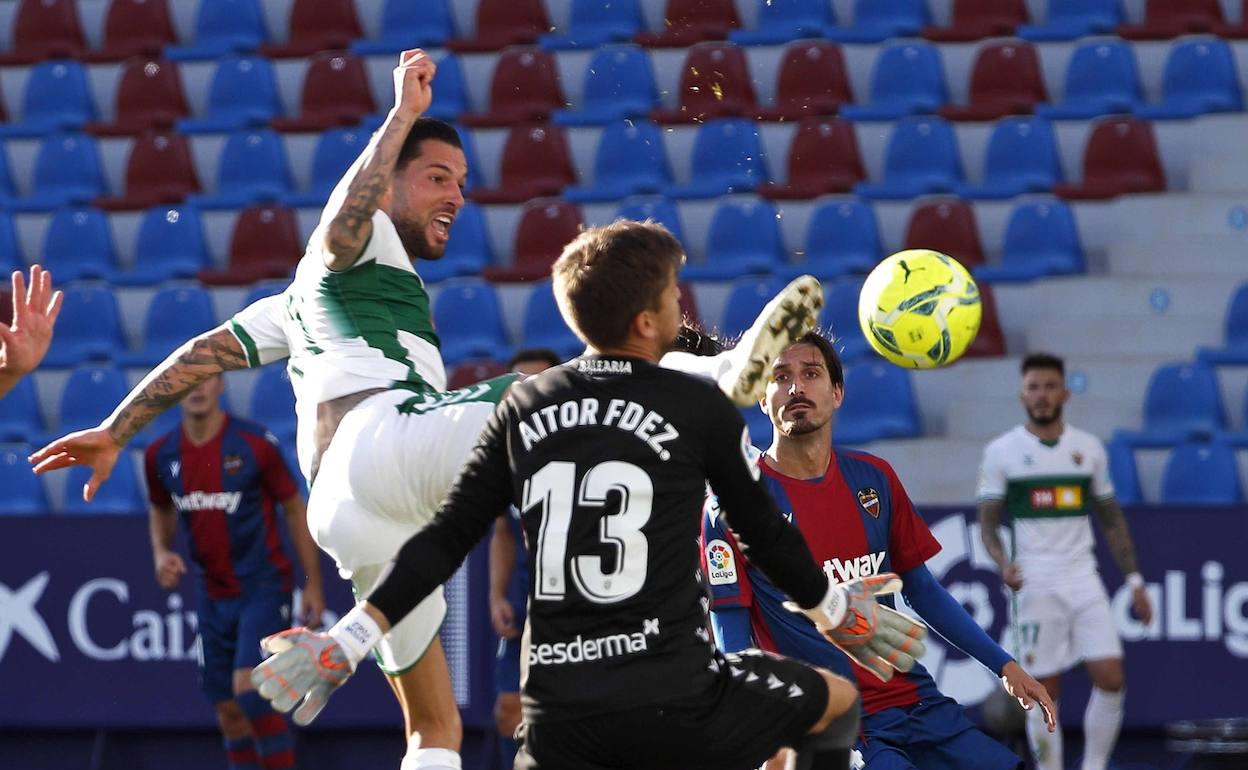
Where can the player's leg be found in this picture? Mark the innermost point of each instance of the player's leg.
(941, 737)
(1044, 628)
(828, 743)
(262, 612)
(240, 751)
(1096, 642)
(217, 626)
(507, 698)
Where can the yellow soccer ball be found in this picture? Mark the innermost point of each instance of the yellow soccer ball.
(920, 309)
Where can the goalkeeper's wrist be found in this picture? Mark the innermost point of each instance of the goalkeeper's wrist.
(1135, 580)
(357, 634)
(835, 603)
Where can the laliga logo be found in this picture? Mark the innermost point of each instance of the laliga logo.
(1222, 611)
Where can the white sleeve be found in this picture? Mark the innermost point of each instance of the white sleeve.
(1102, 484)
(258, 328)
(992, 480)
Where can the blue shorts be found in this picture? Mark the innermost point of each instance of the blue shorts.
(933, 735)
(507, 666)
(230, 631)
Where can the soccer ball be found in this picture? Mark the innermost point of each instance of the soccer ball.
(919, 309)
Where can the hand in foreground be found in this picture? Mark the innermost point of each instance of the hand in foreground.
(1028, 692)
(305, 666)
(413, 82)
(35, 308)
(94, 447)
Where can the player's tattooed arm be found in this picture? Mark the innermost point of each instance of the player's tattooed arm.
(1117, 535)
(989, 530)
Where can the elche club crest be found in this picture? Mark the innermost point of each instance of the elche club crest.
(869, 499)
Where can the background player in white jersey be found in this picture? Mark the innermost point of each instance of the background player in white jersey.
(1048, 477)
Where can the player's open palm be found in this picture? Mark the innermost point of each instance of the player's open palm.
(94, 448)
(306, 667)
(413, 82)
(35, 308)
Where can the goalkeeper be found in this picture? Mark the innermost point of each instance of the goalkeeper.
(858, 521)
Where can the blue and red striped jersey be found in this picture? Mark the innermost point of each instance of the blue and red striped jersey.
(226, 491)
(857, 520)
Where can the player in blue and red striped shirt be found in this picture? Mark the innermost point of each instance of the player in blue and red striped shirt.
(857, 520)
(225, 478)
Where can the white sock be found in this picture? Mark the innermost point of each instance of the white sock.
(1046, 747)
(1101, 722)
(430, 759)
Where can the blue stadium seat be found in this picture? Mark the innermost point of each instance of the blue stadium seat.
(223, 26)
(23, 490)
(840, 318)
(660, 210)
(1041, 239)
(921, 158)
(780, 21)
(1201, 474)
(908, 78)
(544, 326)
(593, 23)
(879, 403)
(743, 239)
(468, 251)
(405, 25)
(1200, 77)
(630, 160)
(162, 424)
(252, 169)
(89, 395)
(261, 290)
(1021, 157)
(21, 419)
(619, 83)
(878, 20)
(1102, 78)
(273, 403)
(89, 327)
(170, 244)
(57, 98)
(759, 425)
(1182, 403)
(6, 180)
(78, 244)
(450, 98)
(67, 170)
(1123, 472)
(745, 301)
(10, 250)
(727, 157)
(470, 155)
(242, 94)
(842, 238)
(336, 150)
(1235, 349)
(469, 321)
(121, 494)
(174, 315)
(1073, 19)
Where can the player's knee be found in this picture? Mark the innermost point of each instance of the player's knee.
(233, 721)
(242, 681)
(842, 700)
(507, 713)
(1110, 681)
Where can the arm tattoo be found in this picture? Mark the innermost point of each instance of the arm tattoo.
(352, 225)
(1117, 536)
(197, 360)
(989, 521)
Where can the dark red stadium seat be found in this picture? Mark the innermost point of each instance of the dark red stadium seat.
(470, 372)
(823, 158)
(546, 225)
(690, 21)
(525, 87)
(1120, 157)
(335, 93)
(317, 25)
(149, 96)
(976, 19)
(812, 81)
(501, 23)
(1165, 19)
(990, 341)
(160, 170)
(134, 28)
(536, 162)
(1005, 80)
(265, 244)
(1235, 31)
(6, 302)
(947, 226)
(714, 83)
(45, 29)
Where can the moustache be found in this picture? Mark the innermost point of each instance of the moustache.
(799, 402)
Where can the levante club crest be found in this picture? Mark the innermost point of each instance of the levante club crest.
(869, 499)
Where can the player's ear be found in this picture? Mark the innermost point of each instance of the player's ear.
(838, 395)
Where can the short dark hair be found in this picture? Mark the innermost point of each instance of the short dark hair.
(545, 355)
(1042, 361)
(831, 358)
(422, 129)
(609, 274)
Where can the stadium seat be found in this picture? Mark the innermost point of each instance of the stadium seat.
(149, 96)
(842, 238)
(10, 257)
(593, 23)
(1021, 157)
(990, 341)
(878, 20)
(467, 252)
(45, 29)
(658, 209)
(1165, 19)
(174, 315)
(67, 171)
(169, 245)
(823, 158)
(1182, 403)
(1201, 474)
(265, 244)
(1102, 78)
(976, 19)
(812, 81)
(88, 328)
(23, 490)
(252, 168)
(536, 161)
(1123, 473)
(630, 160)
(840, 318)
(501, 23)
(947, 226)
(77, 244)
(1005, 80)
(273, 402)
(470, 372)
(335, 93)
(7, 193)
(714, 83)
(1041, 239)
(57, 98)
(1200, 78)
(1120, 157)
(780, 21)
(134, 28)
(450, 98)
(908, 78)
(89, 395)
(263, 290)
(759, 425)
(336, 150)
(690, 21)
(223, 27)
(21, 419)
(160, 170)
(727, 158)
(1073, 19)
(1234, 350)
(406, 25)
(122, 495)
(879, 403)
(317, 25)
(544, 326)
(242, 94)
(746, 298)
(619, 83)
(1234, 31)
(546, 225)
(469, 321)
(921, 158)
(525, 87)
(743, 239)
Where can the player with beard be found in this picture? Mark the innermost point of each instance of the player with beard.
(1049, 478)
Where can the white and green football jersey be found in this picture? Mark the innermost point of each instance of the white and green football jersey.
(1049, 490)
